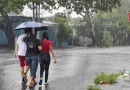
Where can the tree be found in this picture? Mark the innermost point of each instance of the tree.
(5, 7)
(45, 4)
(87, 8)
(77, 20)
(65, 32)
(116, 25)
(17, 6)
(60, 18)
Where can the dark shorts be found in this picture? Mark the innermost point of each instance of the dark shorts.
(22, 61)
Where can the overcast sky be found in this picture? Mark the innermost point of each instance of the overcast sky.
(28, 12)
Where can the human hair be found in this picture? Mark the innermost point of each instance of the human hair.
(28, 31)
(32, 37)
(45, 36)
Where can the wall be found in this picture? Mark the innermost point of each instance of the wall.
(16, 21)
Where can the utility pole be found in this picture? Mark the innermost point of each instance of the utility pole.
(33, 18)
(36, 16)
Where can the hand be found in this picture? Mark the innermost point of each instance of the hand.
(54, 60)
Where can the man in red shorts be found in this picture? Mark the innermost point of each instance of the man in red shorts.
(20, 51)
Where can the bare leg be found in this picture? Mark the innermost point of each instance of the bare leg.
(22, 71)
(32, 81)
(26, 69)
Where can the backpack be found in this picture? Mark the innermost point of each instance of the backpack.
(32, 44)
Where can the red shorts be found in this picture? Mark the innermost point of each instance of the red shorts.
(22, 61)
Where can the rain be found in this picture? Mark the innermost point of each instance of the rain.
(88, 38)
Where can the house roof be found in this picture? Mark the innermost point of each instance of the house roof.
(48, 22)
(14, 14)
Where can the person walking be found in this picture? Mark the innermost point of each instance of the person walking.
(20, 51)
(32, 55)
(46, 47)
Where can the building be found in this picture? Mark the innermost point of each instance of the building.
(8, 35)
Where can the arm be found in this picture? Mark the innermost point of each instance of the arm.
(52, 53)
(23, 39)
(40, 48)
(39, 45)
(16, 50)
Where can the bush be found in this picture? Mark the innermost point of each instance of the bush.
(93, 88)
(106, 79)
(107, 39)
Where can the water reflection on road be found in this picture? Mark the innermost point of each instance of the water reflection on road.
(75, 68)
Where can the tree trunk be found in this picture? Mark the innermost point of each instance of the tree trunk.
(8, 30)
(89, 31)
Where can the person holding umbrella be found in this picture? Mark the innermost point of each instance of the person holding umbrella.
(32, 54)
(46, 47)
(20, 51)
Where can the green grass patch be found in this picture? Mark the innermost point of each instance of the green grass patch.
(93, 88)
(106, 79)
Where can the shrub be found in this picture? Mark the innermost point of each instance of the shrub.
(93, 88)
(106, 79)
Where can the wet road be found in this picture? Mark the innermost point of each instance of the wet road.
(75, 68)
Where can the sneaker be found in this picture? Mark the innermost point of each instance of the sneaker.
(40, 82)
(46, 84)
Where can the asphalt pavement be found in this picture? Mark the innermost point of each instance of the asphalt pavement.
(75, 69)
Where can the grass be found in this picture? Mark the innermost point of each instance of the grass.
(93, 88)
(106, 79)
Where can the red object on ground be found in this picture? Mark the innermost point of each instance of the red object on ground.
(128, 16)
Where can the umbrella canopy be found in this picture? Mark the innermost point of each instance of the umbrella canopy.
(30, 24)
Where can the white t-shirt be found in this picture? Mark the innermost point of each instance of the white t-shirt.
(21, 45)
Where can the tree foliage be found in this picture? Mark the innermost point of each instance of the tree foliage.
(116, 25)
(86, 9)
(60, 18)
(76, 20)
(17, 6)
(64, 31)
(110, 28)
(45, 4)
(80, 6)
(7, 6)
